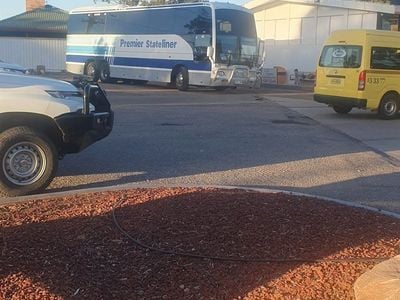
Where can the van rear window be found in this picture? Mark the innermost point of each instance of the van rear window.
(385, 58)
(341, 56)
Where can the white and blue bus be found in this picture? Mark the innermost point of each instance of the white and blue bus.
(201, 44)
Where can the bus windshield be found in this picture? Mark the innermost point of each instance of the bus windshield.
(236, 38)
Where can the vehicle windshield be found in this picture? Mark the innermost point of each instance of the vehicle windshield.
(236, 38)
(340, 56)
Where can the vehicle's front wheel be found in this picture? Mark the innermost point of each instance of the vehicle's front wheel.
(342, 109)
(28, 161)
(182, 79)
(104, 72)
(389, 106)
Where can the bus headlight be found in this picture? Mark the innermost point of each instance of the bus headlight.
(221, 75)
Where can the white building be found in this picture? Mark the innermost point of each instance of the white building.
(295, 30)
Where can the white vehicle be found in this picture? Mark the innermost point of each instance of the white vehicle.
(8, 67)
(41, 120)
(203, 44)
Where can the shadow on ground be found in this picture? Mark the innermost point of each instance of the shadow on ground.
(70, 247)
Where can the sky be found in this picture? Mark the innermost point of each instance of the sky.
(16, 7)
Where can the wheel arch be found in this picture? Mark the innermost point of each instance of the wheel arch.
(390, 92)
(38, 122)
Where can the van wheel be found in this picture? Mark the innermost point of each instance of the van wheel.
(182, 79)
(104, 72)
(28, 161)
(92, 71)
(342, 109)
(389, 106)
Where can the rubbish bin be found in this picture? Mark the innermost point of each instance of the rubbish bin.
(281, 75)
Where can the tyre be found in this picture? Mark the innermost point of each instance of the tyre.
(104, 72)
(182, 79)
(389, 106)
(342, 109)
(92, 71)
(28, 161)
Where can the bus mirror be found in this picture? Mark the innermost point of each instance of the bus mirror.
(261, 52)
(260, 61)
(210, 51)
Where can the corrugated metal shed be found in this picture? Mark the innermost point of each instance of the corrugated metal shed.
(33, 52)
(47, 22)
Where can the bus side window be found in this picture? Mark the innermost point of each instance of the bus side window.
(194, 25)
(95, 23)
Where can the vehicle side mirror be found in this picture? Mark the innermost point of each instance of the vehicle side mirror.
(261, 53)
(210, 51)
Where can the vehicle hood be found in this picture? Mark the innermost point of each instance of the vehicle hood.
(8, 80)
(4, 65)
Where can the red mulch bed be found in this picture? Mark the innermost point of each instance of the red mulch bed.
(69, 248)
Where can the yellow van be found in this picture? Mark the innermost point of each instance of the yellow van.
(360, 68)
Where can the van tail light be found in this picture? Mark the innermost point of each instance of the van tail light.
(361, 80)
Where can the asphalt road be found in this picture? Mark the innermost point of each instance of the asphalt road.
(257, 138)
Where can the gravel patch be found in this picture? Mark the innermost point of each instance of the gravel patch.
(249, 245)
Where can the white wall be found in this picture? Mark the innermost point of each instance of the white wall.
(31, 52)
(294, 33)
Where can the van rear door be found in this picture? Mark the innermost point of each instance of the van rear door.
(338, 72)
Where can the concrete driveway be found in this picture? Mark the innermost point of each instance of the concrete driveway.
(367, 129)
(364, 126)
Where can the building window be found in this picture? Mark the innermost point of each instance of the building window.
(388, 22)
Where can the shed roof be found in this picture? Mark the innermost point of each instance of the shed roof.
(256, 5)
(48, 21)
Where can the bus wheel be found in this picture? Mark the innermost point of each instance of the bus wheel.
(389, 106)
(104, 72)
(342, 109)
(182, 79)
(92, 71)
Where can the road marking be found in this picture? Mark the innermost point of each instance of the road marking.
(139, 90)
(186, 104)
(286, 94)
